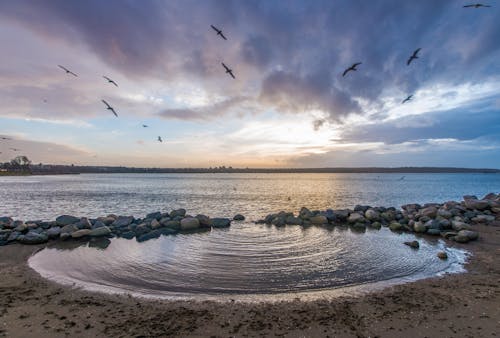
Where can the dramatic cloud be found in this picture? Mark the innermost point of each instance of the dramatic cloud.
(288, 58)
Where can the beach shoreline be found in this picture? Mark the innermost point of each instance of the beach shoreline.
(453, 305)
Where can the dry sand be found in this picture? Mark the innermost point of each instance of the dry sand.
(461, 305)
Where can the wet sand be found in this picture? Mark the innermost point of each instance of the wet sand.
(461, 305)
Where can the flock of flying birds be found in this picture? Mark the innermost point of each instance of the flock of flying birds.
(229, 71)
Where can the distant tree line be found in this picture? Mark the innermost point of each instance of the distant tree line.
(19, 163)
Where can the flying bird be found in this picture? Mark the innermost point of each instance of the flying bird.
(413, 57)
(476, 6)
(144, 126)
(407, 99)
(159, 139)
(67, 70)
(109, 107)
(353, 68)
(230, 71)
(109, 80)
(219, 32)
(4, 138)
(14, 149)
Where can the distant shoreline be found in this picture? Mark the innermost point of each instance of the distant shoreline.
(68, 170)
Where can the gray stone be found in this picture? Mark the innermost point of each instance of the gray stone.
(167, 231)
(413, 244)
(434, 232)
(81, 233)
(33, 238)
(21, 228)
(173, 224)
(155, 224)
(430, 212)
(178, 213)
(98, 224)
(471, 235)
(220, 222)
(483, 219)
(376, 225)
(13, 236)
(54, 232)
(359, 226)
(83, 223)
(341, 215)
(474, 204)
(190, 223)
(204, 220)
(293, 220)
(239, 217)
(457, 226)
(442, 255)
(128, 235)
(305, 213)
(123, 221)
(444, 213)
(66, 220)
(154, 215)
(150, 235)
(100, 232)
(355, 217)
(70, 228)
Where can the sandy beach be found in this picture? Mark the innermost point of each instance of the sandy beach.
(460, 305)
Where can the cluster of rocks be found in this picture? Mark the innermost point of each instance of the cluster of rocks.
(451, 220)
(67, 227)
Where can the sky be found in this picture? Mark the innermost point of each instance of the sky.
(289, 105)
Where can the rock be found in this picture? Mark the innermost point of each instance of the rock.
(81, 233)
(100, 232)
(239, 217)
(6, 221)
(305, 213)
(167, 231)
(483, 219)
(448, 234)
(318, 220)
(293, 220)
(54, 232)
(204, 220)
(341, 215)
(178, 213)
(220, 222)
(358, 226)
(21, 228)
(99, 243)
(434, 232)
(98, 224)
(442, 255)
(419, 227)
(457, 226)
(66, 220)
(150, 235)
(471, 235)
(173, 224)
(33, 238)
(475, 204)
(128, 235)
(155, 224)
(190, 223)
(413, 244)
(13, 236)
(395, 226)
(70, 228)
(372, 215)
(361, 208)
(154, 215)
(355, 217)
(123, 221)
(376, 225)
(430, 212)
(83, 223)
(388, 215)
(444, 213)
(65, 235)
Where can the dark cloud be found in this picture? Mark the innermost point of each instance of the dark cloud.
(317, 124)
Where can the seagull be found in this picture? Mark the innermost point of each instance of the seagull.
(219, 32)
(402, 178)
(159, 139)
(109, 80)
(353, 68)
(14, 149)
(407, 99)
(4, 138)
(230, 71)
(67, 70)
(414, 56)
(109, 107)
(144, 126)
(476, 6)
